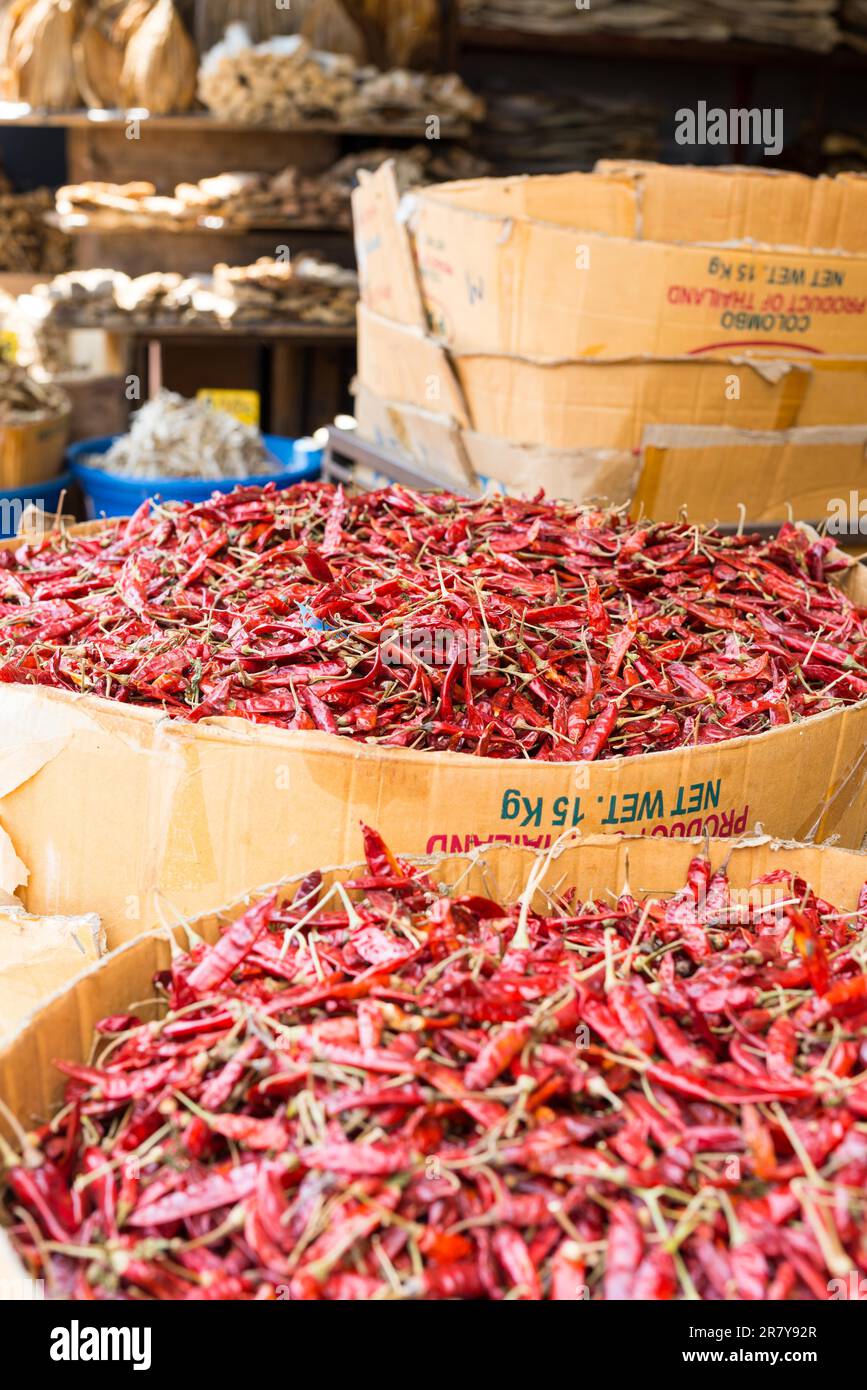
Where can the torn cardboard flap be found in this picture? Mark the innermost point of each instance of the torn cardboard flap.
(386, 267)
(39, 955)
(596, 405)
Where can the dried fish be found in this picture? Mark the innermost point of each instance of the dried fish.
(286, 80)
(24, 399)
(172, 437)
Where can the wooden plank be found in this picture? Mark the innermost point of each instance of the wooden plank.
(328, 390)
(166, 156)
(287, 389)
(270, 328)
(618, 45)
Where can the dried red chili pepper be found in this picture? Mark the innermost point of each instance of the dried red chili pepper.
(309, 1116)
(570, 634)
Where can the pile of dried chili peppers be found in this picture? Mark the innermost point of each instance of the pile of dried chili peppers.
(378, 1090)
(569, 635)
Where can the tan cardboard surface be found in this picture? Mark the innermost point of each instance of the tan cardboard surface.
(688, 203)
(405, 364)
(505, 281)
(386, 270)
(63, 1026)
(603, 405)
(471, 459)
(710, 471)
(607, 404)
(39, 955)
(32, 452)
(494, 284)
(407, 432)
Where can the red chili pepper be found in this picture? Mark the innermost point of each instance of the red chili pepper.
(219, 962)
(421, 1126)
(512, 1253)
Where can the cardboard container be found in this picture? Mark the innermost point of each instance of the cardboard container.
(32, 451)
(500, 269)
(469, 461)
(119, 810)
(687, 202)
(709, 472)
(600, 405)
(63, 1026)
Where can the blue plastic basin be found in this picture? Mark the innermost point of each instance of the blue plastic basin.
(15, 500)
(107, 494)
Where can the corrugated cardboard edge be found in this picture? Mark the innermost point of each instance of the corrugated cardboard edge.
(686, 436)
(63, 1025)
(800, 471)
(472, 459)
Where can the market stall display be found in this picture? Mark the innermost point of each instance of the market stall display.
(246, 199)
(59, 54)
(170, 437)
(27, 241)
(285, 81)
(304, 289)
(808, 24)
(532, 1083)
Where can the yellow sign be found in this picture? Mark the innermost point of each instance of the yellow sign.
(8, 345)
(246, 406)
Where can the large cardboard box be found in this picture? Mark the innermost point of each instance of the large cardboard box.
(599, 405)
(63, 1027)
(501, 269)
(144, 820)
(728, 475)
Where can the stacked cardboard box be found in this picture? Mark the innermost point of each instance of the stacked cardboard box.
(517, 327)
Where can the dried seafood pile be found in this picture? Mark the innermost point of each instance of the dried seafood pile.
(853, 17)
(306, 289)
(286, 80)
(59, 54)
(24, 399)
(40, 345)
(555, 131)
(796, 23)
(247, 199)
(27, 242)
(171, 437)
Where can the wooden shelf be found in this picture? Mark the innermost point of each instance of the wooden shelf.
(288, 330)
(13, 114)
(728, 53)
(90, 227)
